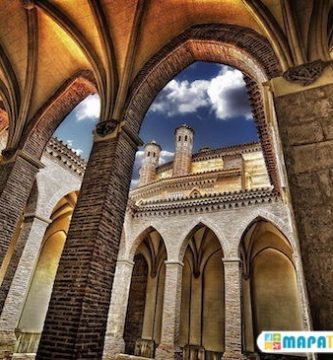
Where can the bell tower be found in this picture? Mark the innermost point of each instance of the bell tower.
(150, 162)
(183, 155)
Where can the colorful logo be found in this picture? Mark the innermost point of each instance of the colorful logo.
(296, 341)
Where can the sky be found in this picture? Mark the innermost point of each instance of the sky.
(209, 97)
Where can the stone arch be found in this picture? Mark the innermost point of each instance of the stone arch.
(139, 238)
(203, 288)
(143, 324)
(278, 223)
(191, 228)
(38, 295)
(54, 199)
(232, 45)
(269, 282)
(51, 114)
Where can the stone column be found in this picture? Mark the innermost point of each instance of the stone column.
(28, 245)
(168, 348)
(17, 177)
(233, 315)
(77, 316)
(114, 342)
(304, 116)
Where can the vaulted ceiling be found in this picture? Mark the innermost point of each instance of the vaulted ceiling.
(45, 42)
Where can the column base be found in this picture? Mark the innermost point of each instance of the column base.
(7, 344)
(233, 355)
(168, 352)
(113, 346)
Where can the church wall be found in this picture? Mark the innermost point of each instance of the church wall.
(228, 225)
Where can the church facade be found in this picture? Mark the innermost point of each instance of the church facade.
(53, 54)
(206, 233)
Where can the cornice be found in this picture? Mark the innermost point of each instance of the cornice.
(216, 153)
(66, 156)
(203, 203)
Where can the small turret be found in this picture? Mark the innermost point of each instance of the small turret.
(150, 163)
(184, 144)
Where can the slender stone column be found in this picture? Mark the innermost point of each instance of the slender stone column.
(17, 177)
(168, 348)
(114, 342)
(77, 316)
(28, 244)
(304, 117)
(233, 325)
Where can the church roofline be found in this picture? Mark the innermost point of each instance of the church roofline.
(184, 126)
(213, 153)
(203, 203)
(57, 149)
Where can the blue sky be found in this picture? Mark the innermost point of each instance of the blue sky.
(209, 97)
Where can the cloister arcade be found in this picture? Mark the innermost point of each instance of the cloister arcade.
(53, 54)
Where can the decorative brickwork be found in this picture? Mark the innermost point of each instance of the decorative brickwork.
(255, 58)
(263, 129)
(52, 113)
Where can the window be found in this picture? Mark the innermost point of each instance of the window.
(185, 137)
(148, 153)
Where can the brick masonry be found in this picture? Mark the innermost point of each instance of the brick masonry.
(16, 178)
(77, 316)
(229, 226)
(52, 183)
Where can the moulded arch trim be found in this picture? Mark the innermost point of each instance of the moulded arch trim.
(140, 237)
(46, 210)
(186, 48)
(191, 228)
(281, 226)
(50, 115)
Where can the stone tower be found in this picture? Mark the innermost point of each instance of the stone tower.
(183, 156)
(150, 163)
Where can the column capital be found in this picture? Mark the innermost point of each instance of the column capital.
(125, 262)
(168, 262)
(231, 260)
(10, 155)
(33, 216)
(111, 129)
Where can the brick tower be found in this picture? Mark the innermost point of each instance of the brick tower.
(150, 163)
(183, 156)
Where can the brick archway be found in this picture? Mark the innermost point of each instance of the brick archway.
(52, 113)
(232, 45)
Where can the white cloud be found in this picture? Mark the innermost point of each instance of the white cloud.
(182, 97)
(134, 183)
(166, 156)
(224, 94)
(88, 109)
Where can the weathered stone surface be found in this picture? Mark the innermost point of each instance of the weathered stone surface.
(309, 166)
